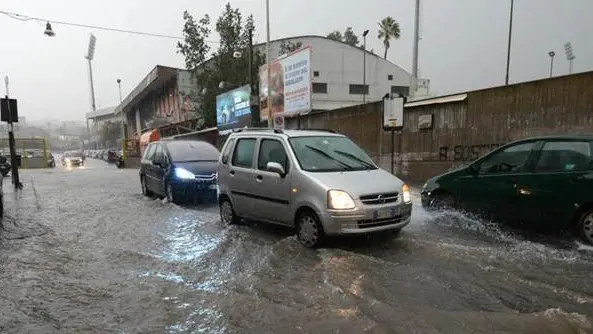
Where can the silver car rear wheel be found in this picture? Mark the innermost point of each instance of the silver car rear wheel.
(309, 230)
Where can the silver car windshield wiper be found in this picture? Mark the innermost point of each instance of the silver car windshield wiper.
(354, 157)
(315, 149)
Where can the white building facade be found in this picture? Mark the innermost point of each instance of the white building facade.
(338, 69)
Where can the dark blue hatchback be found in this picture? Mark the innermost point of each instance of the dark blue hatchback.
(180, 170)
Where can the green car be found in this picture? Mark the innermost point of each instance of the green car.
(543, 182)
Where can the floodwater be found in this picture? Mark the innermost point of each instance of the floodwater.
(82, 250)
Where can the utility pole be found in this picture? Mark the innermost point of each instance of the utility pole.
(11, 142)
(415, 54)
(268, 61)
(506, 81)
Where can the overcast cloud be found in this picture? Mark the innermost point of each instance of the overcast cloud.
(463, 42)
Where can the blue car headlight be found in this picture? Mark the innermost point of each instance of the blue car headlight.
(184, 174)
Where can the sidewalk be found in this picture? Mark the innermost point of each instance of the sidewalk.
(23, 211)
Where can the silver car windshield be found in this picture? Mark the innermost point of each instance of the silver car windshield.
(330, 154)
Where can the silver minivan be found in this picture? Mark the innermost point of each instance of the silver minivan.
(318, 182)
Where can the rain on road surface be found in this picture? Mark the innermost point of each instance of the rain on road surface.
(83, 251)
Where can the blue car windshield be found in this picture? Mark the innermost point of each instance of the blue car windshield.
(194, 150)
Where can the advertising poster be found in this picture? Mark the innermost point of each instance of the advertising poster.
(232, 109)
(290, 85)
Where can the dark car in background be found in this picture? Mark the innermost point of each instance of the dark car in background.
(544, 182)
(5, 166)
(180, 170)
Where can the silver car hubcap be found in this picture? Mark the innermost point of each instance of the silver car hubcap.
(226, 212)
(587, 227)
(308, 232)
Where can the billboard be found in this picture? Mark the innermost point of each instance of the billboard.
(232, 109)
(290, 85)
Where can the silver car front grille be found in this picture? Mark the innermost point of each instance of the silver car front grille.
(379, 198)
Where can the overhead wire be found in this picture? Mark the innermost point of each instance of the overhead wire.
(22, 17)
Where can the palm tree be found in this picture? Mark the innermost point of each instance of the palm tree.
(388, 30)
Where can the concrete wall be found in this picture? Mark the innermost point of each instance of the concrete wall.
(466, 129)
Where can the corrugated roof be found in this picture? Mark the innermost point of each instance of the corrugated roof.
(437, 100)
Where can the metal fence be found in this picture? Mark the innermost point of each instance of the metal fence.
(33, 152)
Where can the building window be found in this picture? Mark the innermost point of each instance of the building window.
(319, 88)
(403, 90)
(316, 73)
(390, 77)
(358, 89)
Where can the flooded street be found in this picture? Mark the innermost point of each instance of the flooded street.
(83, 251)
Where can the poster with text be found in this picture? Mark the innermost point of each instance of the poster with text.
(290, 85)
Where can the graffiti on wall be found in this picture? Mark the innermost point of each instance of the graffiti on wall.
(465, 152)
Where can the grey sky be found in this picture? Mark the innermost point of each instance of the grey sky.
(463, 43)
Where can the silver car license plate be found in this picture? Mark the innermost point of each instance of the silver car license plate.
(385, 213)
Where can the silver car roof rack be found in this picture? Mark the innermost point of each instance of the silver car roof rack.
(257, 129)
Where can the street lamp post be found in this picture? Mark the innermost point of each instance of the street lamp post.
(551, 54)
(123, 122)
(268, 61)
(506, 82)
(364, 65)
(119, 87)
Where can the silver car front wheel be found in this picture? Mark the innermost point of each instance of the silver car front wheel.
(309, 230)
(227, 213)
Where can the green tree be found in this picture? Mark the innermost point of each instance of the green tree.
(223, 66)
(110, 132)
(288, 46)
(335, 35)
(350, 37)
(194, 48)
(388, 30)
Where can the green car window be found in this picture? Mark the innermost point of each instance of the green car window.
(509, 160)
(564, 156)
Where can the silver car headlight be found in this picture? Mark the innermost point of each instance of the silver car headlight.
(339, 200)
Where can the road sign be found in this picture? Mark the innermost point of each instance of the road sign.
(6, 105)
(278, 122)
(393, 113)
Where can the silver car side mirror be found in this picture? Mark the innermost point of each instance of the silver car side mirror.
(275, 168)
